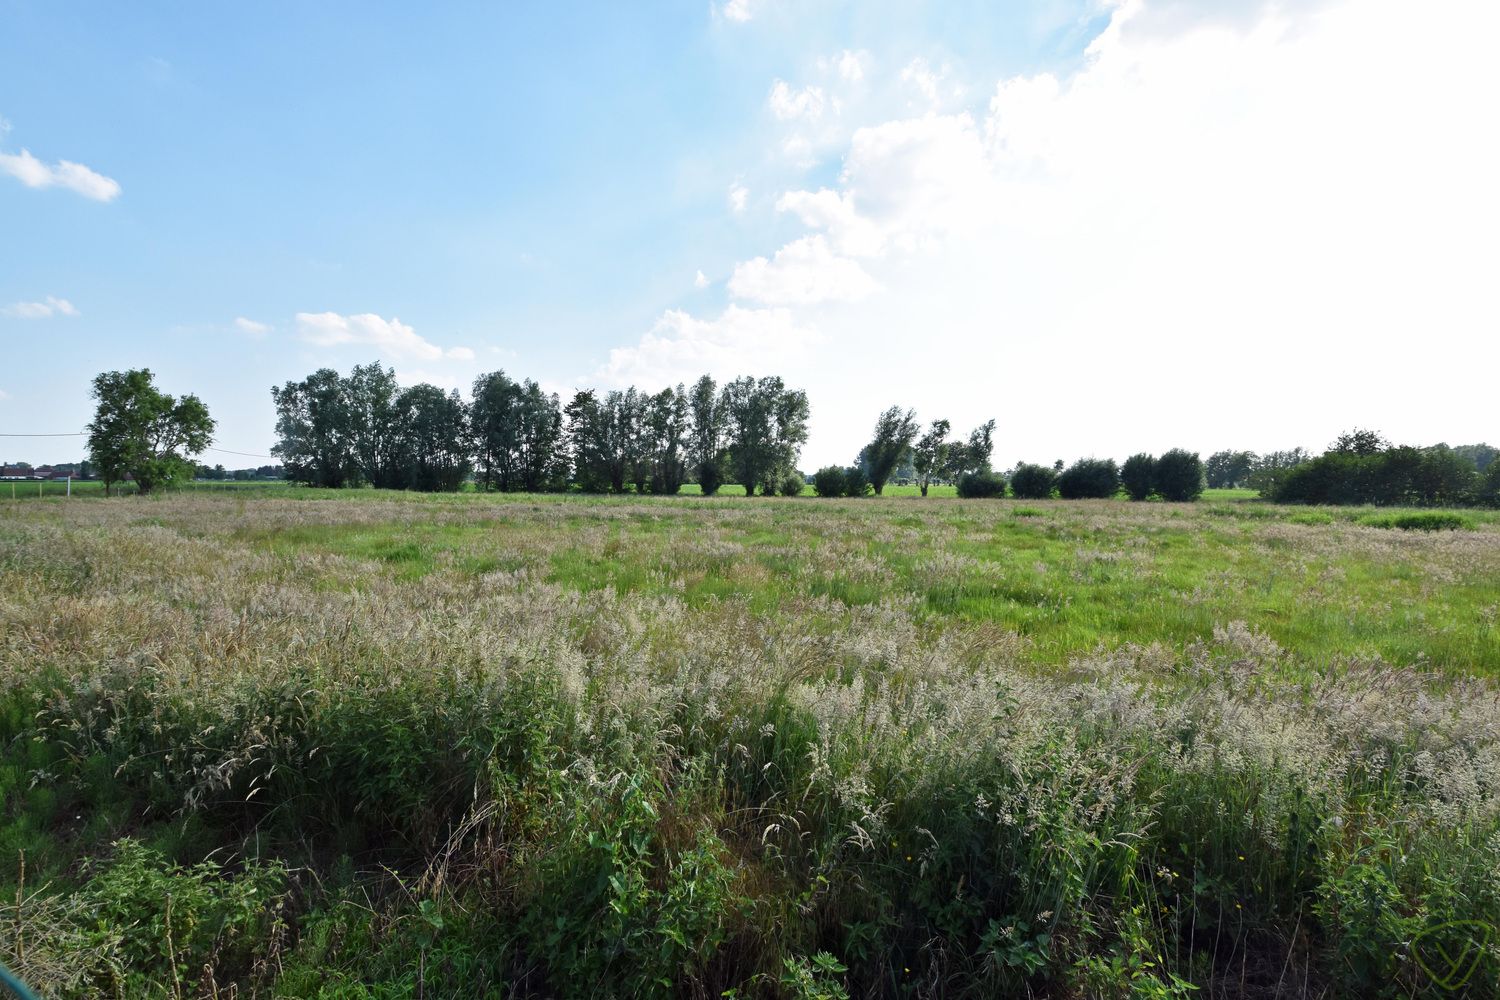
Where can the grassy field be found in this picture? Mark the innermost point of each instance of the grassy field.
(385, 745)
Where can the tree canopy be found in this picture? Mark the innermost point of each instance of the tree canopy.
(145, 434)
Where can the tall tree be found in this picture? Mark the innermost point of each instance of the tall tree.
(767, 425)
(539, 429)
(1272, 468)
(974, 454)
(930, 454)
(586, 434)
(435, 444)
(493, 423)
(314, 430)
(894, 432)
(666, 437)
(709, 424)
(1226, 469)
(1359, 442)
(141, 432)
(370, 394)
(517, 434)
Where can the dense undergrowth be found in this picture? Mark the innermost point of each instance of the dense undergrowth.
(230, 772)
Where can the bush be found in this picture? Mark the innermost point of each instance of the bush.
(1425, 521)
(1033, 482)
(981, 485)
(710, 478)
(792, 484)
(1089, 478)
(856, 483)
(1179, 476)
(1419, 477)
(1489, 492)
(829, 481)
(1138, 475)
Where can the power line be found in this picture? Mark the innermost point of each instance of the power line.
(242, 454)
(226, 451)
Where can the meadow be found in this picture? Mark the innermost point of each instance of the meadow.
(272, 741)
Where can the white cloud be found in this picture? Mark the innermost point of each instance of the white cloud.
(739, 11)
(64, 173)
(700, 280)
(804, 272)
(788, 104)
(834, 212)
(251, 328)
(680, 347)
(1229, 201)
(4, 395)
(390, 337)
(45, 309)
(739, 197)
(851, 65)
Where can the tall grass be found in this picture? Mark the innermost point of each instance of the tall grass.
(548, 748)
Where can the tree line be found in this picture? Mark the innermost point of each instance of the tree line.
(1362, 467)
(898, 438)
(335, 431)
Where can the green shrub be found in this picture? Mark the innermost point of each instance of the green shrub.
(1424, 521)
(710, 478)
(1419, 477)
(829, 481)
(1179, 476)
(1138, 476)
(1489, 491)
(981, 485)
(1033, 482)
(1089, 478)
(856, 483)
(792, 484)
(168, 923)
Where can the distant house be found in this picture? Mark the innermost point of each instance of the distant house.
(14, 472)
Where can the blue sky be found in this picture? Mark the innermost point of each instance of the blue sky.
(946, 205)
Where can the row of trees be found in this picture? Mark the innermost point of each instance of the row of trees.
(1178, 475)
(895, 443)
(1362, 467)
(340, 431)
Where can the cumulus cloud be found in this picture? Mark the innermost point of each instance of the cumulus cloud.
(803, 272)
(390, 337)
(739, 198)
(851, 65)
(1226, 198)
(700, 280)
(788, 104)
(934, 85)
(251, 328)
(739, 11)
(45, 309)
(680, 347)
(75, 177)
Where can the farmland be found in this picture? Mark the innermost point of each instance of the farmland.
(378, 744)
